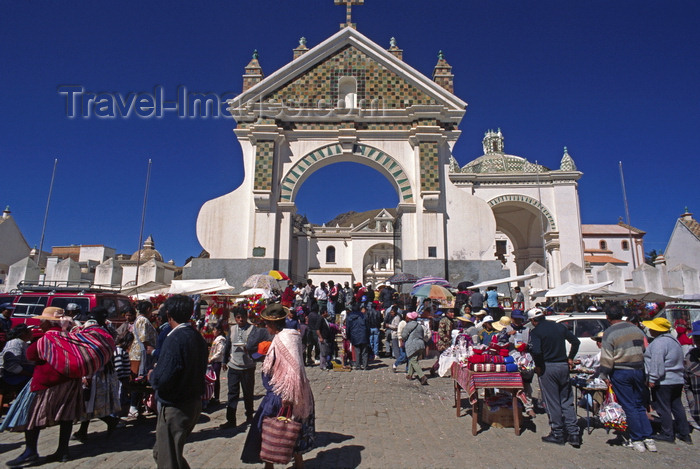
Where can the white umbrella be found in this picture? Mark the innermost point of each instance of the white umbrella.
(500, 281)
(571, 289)
(256, 291)
(199, 286)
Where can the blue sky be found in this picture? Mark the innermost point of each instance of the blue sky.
(612, 81)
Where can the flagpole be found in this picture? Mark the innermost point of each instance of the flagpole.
(143, 220)
(633, 247)
(46, 213)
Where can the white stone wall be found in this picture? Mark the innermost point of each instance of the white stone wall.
(683, 248)
(95, 253)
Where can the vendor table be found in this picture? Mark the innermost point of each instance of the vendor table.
(472, 381)
(584, 392)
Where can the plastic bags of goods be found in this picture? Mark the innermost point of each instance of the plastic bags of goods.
(611, 413)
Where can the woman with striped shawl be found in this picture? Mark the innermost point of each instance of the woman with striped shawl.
(54, 394)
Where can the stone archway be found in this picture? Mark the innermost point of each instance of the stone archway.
(529, 225)
(363, 154)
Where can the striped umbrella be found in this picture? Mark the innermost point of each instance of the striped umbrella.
(431, 281)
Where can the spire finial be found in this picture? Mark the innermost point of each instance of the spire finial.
(255, 54)
(441, 56)
(302, 41)
(392, 42)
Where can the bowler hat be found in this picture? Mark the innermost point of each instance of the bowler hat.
(274, 312)
(52, 313)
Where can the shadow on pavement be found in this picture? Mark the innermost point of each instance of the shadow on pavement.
(345, 457)
(328, 438)
(133, 437)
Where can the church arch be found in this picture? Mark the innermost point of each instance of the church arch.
(369, 156)
(521, 219)
(517, 198)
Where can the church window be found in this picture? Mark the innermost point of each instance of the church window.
(625, 245)
(432, 251)
(347, 92)
(603, 245)
(330, 255)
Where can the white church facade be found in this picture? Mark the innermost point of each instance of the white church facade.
(350, 100)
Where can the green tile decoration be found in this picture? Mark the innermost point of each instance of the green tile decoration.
(264, 158)
(361, 151)
(429, 169)
(374, 81)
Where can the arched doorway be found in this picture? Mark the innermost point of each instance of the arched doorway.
(528, 225)
(379, 263)
(353, 184)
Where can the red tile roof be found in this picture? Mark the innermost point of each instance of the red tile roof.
(604, 260)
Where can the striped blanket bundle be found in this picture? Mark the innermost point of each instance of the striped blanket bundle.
(77, 354)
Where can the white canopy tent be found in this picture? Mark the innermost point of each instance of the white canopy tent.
(571, 289)
(500, 281)
(147, 290)
(199, 286)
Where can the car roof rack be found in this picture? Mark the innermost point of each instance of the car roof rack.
(73, 286)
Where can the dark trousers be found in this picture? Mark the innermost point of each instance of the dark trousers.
(312, 350)
(630, 388)
(362, 352)
(559, 398)
(174, 426)
(238, 379)
(668, 404)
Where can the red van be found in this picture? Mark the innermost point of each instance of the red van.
(30, 300)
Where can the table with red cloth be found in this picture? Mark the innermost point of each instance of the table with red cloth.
(472, 381)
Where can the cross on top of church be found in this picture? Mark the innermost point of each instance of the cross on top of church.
(348, 11)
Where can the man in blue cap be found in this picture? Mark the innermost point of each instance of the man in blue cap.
(5, 317)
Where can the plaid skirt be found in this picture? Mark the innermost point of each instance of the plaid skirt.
(46, 407)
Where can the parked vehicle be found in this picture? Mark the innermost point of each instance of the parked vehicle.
(584, 326)
(687, 310)
(30, 301)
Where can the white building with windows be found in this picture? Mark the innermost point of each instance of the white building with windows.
(620, 245)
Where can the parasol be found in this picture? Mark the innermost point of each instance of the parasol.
(264, 281)
(278, 275)
(402, 277)
(429, 281)
(435, 292)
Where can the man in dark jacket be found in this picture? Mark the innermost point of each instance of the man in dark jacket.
(374, 322)
(386, 296)
(358, 333)
(178, 380)
(548, 347)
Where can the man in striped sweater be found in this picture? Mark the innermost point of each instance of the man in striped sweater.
(622, 365)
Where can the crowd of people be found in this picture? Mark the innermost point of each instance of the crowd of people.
(157, 361)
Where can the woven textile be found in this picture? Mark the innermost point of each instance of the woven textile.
(470, 380)
(77, 354)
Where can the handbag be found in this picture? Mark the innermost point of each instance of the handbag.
(279, 436)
